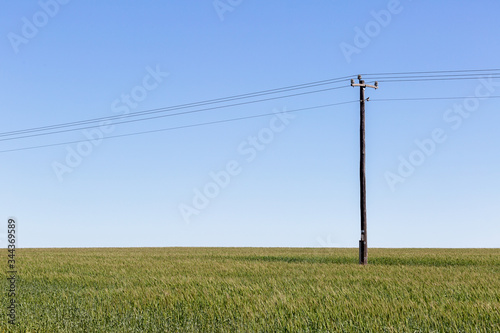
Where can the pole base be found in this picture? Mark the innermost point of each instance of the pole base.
(363, 253)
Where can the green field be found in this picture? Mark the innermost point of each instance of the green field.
(255, 290)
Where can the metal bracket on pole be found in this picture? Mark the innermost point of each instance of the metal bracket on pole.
(362, 83)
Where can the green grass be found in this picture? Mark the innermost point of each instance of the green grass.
(255, 290)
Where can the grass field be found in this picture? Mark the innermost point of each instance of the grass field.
(255, 290)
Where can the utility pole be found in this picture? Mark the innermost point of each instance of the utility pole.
(363, 243)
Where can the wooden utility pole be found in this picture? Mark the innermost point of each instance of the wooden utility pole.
(363, 243)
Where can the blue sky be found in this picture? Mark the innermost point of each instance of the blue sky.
(298, 186)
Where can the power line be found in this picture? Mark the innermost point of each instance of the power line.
(181, 106)
(438, 76)
(435, 72)
(428, 98)
(436, 79)
(416, 76)
(172, 114)
(177, 127)
(401, 76)
(194, 111)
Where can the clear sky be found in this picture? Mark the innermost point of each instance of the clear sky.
(280, 180)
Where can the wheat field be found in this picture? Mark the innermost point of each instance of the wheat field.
(255, 290)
